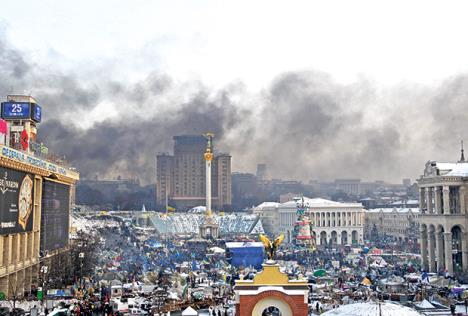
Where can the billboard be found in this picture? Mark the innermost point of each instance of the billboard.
(16, 110)
(36, 112)
(245, 254)
(16, 201)
(55, 217)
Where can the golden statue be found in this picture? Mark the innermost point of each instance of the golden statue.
(271, 247)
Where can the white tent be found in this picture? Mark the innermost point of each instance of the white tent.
(189, 311)
(425, 304)
(372, 309)
(217, 250)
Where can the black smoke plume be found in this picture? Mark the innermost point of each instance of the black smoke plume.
(304, 126)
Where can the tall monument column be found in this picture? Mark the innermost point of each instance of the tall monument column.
(209, 229)
(208, 158)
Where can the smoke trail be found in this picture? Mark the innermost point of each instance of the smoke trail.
(304, 126)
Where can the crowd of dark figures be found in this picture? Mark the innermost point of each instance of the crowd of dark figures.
(122, 256)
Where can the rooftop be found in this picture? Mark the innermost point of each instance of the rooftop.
(309, 203)
(390, 210)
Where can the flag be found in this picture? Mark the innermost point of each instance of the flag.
(425, 278)
(3, 132)
(3, 127)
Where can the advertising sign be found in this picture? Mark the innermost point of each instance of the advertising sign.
(16, 110)
(16, 201)
(36, 112)
(17, 155)
(55, 217)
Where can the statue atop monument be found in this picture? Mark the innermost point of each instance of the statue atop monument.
(271, 246)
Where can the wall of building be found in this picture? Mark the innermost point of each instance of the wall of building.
(333, 223)
(20, 252)
(396, 222)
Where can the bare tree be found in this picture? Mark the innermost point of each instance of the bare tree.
(16, 291)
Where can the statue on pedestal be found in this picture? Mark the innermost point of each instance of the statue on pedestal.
(271, 247)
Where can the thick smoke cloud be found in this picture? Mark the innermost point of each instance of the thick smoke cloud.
(304, 126)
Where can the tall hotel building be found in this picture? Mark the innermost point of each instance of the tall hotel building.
(36, 194)
(181, 177)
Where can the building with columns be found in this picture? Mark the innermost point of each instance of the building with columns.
(333, 223)
(444, 217)
(401, 223)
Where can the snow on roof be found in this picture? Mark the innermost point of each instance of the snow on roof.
(405, 202)
(189, 223)
(239, 244)
(310, 203)
(390, 210)
(267, 205)
(459, 169)
(319, 202)
(371, 309)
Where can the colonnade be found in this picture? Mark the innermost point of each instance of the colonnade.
(443, 199)
(338, 219)
(333, 237)
(439, 247)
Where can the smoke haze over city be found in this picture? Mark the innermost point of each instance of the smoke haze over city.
(303, 122)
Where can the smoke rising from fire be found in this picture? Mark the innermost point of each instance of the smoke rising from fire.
(304, 125)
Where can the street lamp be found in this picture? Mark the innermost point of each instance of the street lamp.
(41, 290)
(81, 255)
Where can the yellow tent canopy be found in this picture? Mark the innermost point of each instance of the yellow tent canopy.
(366, 281)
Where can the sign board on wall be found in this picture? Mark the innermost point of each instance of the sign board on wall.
(55, 218)
(17, 155)
(16, 201)
(16, 110)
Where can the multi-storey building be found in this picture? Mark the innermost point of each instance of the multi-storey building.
(181, 177)
(333, 223)
(36, 192)
(401, 223)
(444, 216)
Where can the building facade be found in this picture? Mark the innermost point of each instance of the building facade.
(444, 216)
(333, 223)
(271, 289)
(401, 223)
(181, 177)
(36, 193)
(244, 190)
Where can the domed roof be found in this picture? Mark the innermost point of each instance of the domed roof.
(372, 309)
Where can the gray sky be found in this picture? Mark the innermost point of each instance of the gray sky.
(375, 63)
(222, 41)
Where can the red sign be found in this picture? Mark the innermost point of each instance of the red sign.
(24, 139)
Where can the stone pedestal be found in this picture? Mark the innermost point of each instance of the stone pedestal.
(209, 229)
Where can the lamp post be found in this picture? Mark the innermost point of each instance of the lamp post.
(41, 290)
(81, 256)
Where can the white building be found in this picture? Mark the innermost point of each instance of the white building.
(444, 216)
(401, 223)
(334, 223)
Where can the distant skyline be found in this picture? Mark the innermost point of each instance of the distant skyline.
(316, 89)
